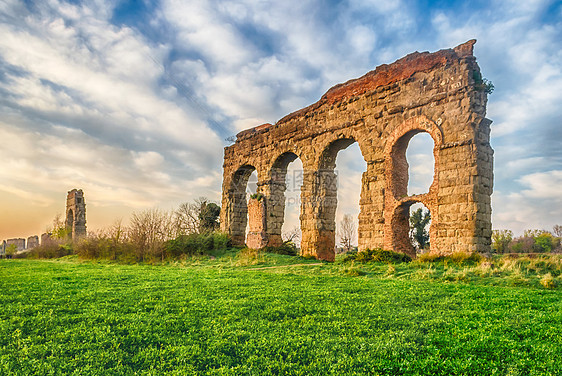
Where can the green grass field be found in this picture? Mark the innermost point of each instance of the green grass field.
(231, 317)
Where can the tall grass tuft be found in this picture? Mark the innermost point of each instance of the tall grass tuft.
(548, 281)
(457, 258)
(377, 255)
(249, 257)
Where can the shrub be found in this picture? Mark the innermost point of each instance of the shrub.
(197, 244)
(104, 245)
(482, 84)
(458, 257)
(353, 271)
(463, 258)
(430, 257)
(51, 249)
(377, 255)
(501, 240)
(538, 241)
(249, 256)
(548, 281)
(287, 248)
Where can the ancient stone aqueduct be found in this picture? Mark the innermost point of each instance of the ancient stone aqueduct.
(439, 93)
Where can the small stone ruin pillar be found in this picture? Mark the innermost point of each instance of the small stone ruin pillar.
(257, 236)
(76, 214)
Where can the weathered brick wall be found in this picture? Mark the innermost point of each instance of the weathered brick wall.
(381, 111)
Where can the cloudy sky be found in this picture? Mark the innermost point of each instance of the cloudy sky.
(132, 101)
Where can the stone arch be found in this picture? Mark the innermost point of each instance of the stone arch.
(400, 224)
(396, 193)
(395, 148)
(275, 194)
(237, 206)
(319, 207)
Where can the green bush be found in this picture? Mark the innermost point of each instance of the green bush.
(377, 255)
(287, 248)
(197, 244)
(101, 246)
(51, 249)
(544, 242)
(459, 257)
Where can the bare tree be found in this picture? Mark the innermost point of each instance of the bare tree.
(557, 231)
(293, 235)
(186, 219)
(346, 232)
(194, 217)
(149, 230)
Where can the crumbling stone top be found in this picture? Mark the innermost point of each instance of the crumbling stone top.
(258, 129)
(383, 75)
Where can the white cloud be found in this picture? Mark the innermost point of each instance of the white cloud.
(99, 66)
(129, 115)
(538, 205)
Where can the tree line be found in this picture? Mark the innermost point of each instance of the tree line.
(151, 235)
(532, 241)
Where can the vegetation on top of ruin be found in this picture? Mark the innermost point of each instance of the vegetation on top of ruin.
(257, 196)
(482, 84)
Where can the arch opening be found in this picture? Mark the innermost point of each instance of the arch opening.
(421, 163)
(283, 202)
(411, 228)
(417, 178)
(420, 223)
(288, 171)
(251, 189)
(342, 166)
(241, 188)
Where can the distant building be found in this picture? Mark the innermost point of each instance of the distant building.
(19, 243)
(45, 238)
(32, 242)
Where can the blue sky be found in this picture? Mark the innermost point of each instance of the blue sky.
(132, 100)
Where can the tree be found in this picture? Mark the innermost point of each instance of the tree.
(149, 230)
(209, 216)
(197, 216)
(292, 236)
(557, 231)
(419, 235)
(59, 230)
(346, 232)
(186, 219)
(544, 242)
(501, 240)
(11, 250)
(532, 233)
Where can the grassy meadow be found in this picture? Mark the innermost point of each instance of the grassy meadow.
(260, 314)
